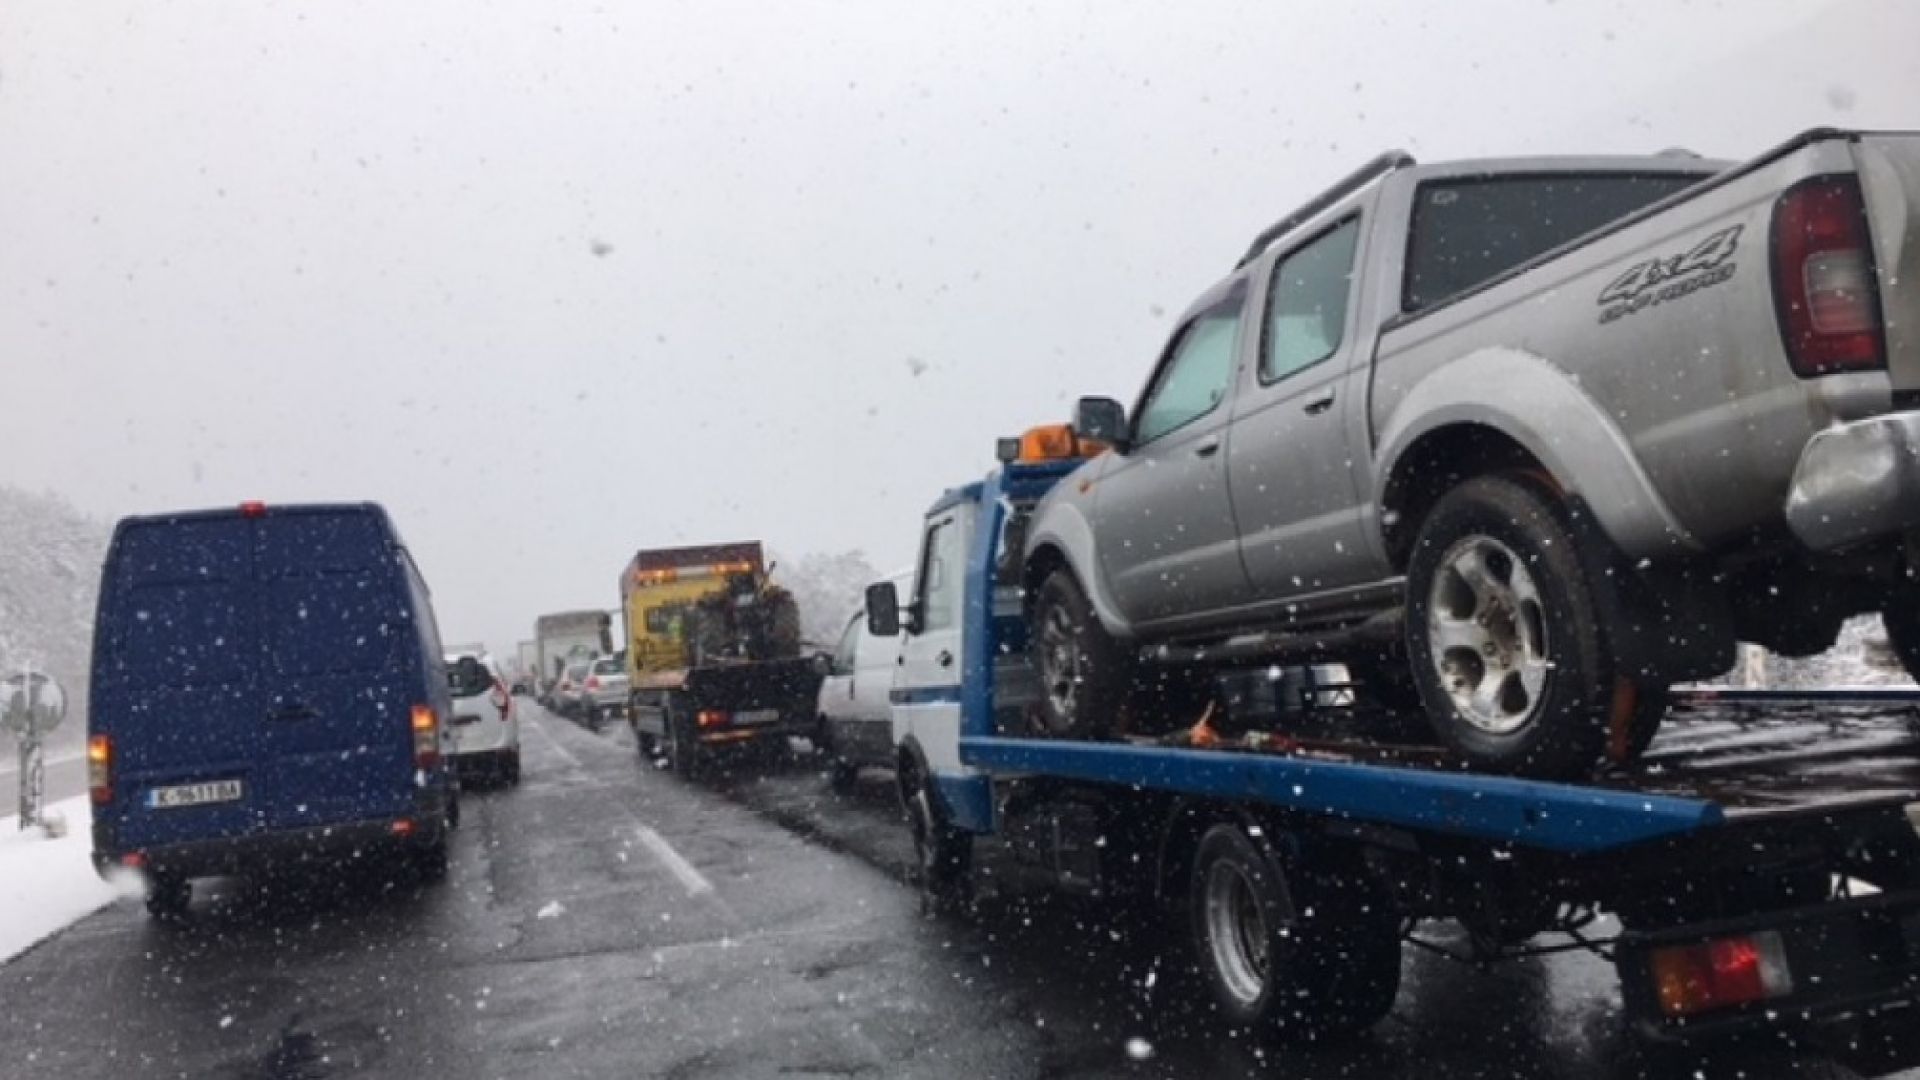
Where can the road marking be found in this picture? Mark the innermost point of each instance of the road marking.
(690, 878)
(676, 863)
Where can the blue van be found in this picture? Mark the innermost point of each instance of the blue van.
(268, 687)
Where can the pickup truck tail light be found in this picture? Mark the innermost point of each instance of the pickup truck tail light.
(1824, 282)
(100, 769)
(426, 737)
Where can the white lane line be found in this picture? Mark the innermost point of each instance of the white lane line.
(676, 863)
(555, 743)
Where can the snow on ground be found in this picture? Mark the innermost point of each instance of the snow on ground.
(47, 885)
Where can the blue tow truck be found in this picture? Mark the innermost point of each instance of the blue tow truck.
(1759, 866)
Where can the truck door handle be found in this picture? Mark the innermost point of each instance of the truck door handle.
(1319, 405)
(1208, 448)
(945, 658)
(293, 712)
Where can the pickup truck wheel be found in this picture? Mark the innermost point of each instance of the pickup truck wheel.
(1504, 632)
(1083, 672)
(1287, 953)
(1903, 631)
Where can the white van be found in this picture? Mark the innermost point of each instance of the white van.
(856, 729)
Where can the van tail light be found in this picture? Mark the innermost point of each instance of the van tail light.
(1824, 283)
(100, 769)
(426, 737)
(1718, 974)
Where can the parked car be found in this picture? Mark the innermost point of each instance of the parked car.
(267, 687)
(1523, 443)
(486, 727)
(568, 696)
(856, 726)
(604, 691)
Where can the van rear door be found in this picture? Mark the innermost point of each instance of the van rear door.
(174, 681)
(340, 668)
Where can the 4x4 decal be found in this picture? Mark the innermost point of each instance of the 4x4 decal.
(1671, 277)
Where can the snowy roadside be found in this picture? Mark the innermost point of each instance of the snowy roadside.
(48, 885)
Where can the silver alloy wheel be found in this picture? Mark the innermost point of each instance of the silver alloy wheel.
(1487, 638)
(1237, 932)
(1061, 661)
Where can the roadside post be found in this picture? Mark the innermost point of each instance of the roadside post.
(31, 706)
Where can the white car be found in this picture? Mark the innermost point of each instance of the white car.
(486, 727)
(856, 730)
(604, 693)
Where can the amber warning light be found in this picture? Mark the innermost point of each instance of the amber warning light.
(1048, 442)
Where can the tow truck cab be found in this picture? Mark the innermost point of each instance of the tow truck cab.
(1760, 867)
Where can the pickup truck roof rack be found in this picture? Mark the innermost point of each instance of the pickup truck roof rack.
(1366, 174)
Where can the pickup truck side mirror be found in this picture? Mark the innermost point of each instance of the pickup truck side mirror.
(1101, 419)
(883, 610)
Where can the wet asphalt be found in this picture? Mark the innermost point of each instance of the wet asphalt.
(606, 919)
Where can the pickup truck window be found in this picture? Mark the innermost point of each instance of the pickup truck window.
(1307, 302)
(1194, 380)
(1468, 231)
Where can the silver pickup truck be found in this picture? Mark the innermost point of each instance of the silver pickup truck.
(1523, 443)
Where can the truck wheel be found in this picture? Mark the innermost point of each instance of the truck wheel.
(683, 747)
(168, 897)
(1294, 956)
(430, 862)
(943, 854)
(843, 776)
(1903, 631)
(1504, 634)
(1083, 672)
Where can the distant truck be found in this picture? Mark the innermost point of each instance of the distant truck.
(526, 676)
(713, 655)
(564, 637)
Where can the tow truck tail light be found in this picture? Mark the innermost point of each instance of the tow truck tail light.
(100, 769)
(1691, 979)
(426, 737)
(1824, 283)
(712, 718)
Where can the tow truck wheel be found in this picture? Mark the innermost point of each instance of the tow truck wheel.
(942, 853)
(1903, 631)
(1083, 672)
(1289, 954)
(1504, 633)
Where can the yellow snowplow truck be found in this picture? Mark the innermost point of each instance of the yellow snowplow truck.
(714, 657)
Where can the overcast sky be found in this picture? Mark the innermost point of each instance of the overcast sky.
(555, 281)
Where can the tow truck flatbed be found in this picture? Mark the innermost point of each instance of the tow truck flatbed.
(1760, 861)
(1721, 762)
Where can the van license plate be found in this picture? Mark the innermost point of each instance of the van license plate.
(756, 716)
(171, 798)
